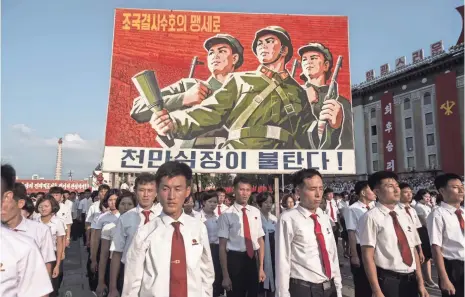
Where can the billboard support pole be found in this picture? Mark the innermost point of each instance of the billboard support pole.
(276, 195)
(197, 182)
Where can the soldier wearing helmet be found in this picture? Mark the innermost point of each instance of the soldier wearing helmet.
(317, 63)
(261, 109)
(225, 54)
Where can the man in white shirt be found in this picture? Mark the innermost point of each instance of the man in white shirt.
(241, 243)
(64, 213)
(221, 207)
(446, 233)
(127, 225)
(22, 268)
(388, 239)
(13, 219)
(170, 256)
(307, 263)
(82, 212)
(352, 215)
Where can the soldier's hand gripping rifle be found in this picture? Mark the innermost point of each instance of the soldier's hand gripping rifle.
(324, 131)
(147, 84)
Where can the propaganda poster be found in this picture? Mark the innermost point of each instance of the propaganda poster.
(229, 93)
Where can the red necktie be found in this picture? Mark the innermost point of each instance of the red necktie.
(247, 237)
(178, 267)
(146, 214)
(332, 210)
(458, 212)
(408, 212)
(404, 247)
(322, 244)
(219, 210)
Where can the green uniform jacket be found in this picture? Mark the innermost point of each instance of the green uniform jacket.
(341, 138)
(278, 122)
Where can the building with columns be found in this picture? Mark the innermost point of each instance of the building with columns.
(410, 120)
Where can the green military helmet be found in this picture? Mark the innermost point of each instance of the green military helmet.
(316, 47)
(228, 39)
(279, 32)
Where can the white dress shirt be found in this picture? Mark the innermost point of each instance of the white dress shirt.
(376, 229)
(147, 267)
(221, 207)
(332, 204)
(126, 227)
(211, 222)
(353, 214)
(195, 214)
(413, 213)
(23, 271)
(231, 227)
(298, 252)
(444, 231)
(423, 210)
(41, 235)
(93, 211)
(269, 227)
(74, 209)
(64, 214)
(57, 228)
(106, 218)
(70, 205)
(83, 205)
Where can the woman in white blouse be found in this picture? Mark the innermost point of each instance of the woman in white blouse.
(189, 208)
(265, 203)
(47, 207)
(423, 209)
(116, 202)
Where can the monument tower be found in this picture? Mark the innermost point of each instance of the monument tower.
(59, 160)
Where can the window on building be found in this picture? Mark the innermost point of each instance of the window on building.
(408, 123)
(373, 113)
(427, 99)
(430, 139)
(374, 130)
(375, 165)
(429, 118)
(432, 161)
(374, 148)
(411, 162)
(407, 104)
(409, 143)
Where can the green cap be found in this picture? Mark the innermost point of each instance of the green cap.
(228, 39)
(279, 32)
(316, 47)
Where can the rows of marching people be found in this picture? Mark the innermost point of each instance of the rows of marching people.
(163, 240)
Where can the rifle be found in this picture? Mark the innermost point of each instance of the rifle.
(294, 67)
(333, 93)
(147, 84)
(195, 62)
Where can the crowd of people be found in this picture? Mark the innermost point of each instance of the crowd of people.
(163, 240)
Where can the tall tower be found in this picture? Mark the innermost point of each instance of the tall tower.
(59, 160)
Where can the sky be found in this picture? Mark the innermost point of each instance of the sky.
(55, 63)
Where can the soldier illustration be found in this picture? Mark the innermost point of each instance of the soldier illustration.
(317, 63)
(262, 109)
(225, 54)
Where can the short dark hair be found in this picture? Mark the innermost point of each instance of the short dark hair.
(209, 195)
(328, 190)
(19, 192)
(359, 186)
(53, 203)
(419, 195)
(8, 178)
(221, 190)
(171, 169)
(144, 178)
(188, 198)
(404, 185)
(262, 197)
(29, 206)
(56, 190)
(87, 190)
(126, 194)
(285, 198)
(376, 178)
(241, 179)
(66, 192)
(110, 193)
(442, 180)
(103, 187)
(300, 176)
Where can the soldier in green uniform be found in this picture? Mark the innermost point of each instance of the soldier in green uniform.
(262, 109)
(317, 62)
(225, 54)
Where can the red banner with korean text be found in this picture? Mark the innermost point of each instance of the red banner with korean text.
(43, 185)
(449, 123)
(389, 133)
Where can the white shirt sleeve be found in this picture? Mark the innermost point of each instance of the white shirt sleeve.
(206, 264)
(61, 228)
(98, 223)
(69, 216)
(119, 238)
(33, 278)
(223, 226)
(47, 249)
(435, 226)
(284, 236)
(367, 231)
(90, 214)
(351, 219)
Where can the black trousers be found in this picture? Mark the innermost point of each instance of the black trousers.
(76, 230)
(454, 269)
(243, 273)
(93, 276)
(394, 284)
(361, 283)
(83, 228)
(300, 288)
(217, 284)
(120, 280)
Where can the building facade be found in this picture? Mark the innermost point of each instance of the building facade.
(410, 120)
